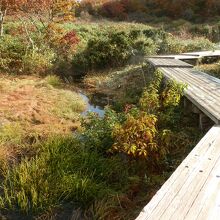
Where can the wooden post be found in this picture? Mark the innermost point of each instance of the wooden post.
(195, 110)
(204, 122)
(187, 105)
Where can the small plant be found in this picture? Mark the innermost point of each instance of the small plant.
(136, 137)
(53, 80)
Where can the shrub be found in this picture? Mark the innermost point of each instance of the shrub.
(197, 44)
(171, 45)
(155, 34)
(175, 45)
(139, 135)
(53, 80)
(17, 56)
(38, 62)
(113, 9)
(136, 137)
(98, 131)
(212, 69)
(12, 49)
(113, 50)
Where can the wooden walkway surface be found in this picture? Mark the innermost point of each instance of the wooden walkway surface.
(193, 190)
(177, 57)
(214, 53)
(168, 63)
(202, 90)
(189, 56)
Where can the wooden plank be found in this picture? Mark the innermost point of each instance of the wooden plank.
(191, 188)
(165, 209)
(207, 200)
(178, 195)
(214, 53)
(178, 57)
(194, 157)
(169, 63)
(185, 57)
(203, 90)
(201, 149)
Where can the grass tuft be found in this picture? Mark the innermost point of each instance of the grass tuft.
(53, 80)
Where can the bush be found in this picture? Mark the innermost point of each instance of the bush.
(139, 136)
(38, 62)
(97, 132)
(113, 50)
(175, 45)
(170, 45)
(12, 50)
(18, 57)
(198, 44)
(113, 9)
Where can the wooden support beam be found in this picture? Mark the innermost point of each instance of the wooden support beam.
(204, 122)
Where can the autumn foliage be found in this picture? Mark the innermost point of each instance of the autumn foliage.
(140, 136)
(174, 9)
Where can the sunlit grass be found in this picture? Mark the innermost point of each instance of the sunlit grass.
(61, 172)
(53, 80)
(212, 69)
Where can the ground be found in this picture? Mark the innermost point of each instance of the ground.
(32, 107)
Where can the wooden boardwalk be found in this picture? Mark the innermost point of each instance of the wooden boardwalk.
(168, 63)
(189, 56)
(202, 90)
(201, 54)
(193, 190)
(177, 57)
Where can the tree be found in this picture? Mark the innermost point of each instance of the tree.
(5, 6)
(48, 8)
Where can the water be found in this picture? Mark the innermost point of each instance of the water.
(95, 104)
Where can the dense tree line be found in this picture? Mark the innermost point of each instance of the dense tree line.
(172, 8)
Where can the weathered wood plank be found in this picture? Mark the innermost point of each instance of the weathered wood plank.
(201, 149)
(192, 187)
(169, 63)
(203, 90)
(214, 53)
(208, 197)
(178, 57)
(178, 197)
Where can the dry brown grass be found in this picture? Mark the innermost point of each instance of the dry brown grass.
(32, 108)
(38, 106)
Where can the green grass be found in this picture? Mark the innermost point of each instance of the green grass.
(61, 172)
(68, 105)
(53, 80)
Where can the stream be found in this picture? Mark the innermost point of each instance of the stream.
(95, 103)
